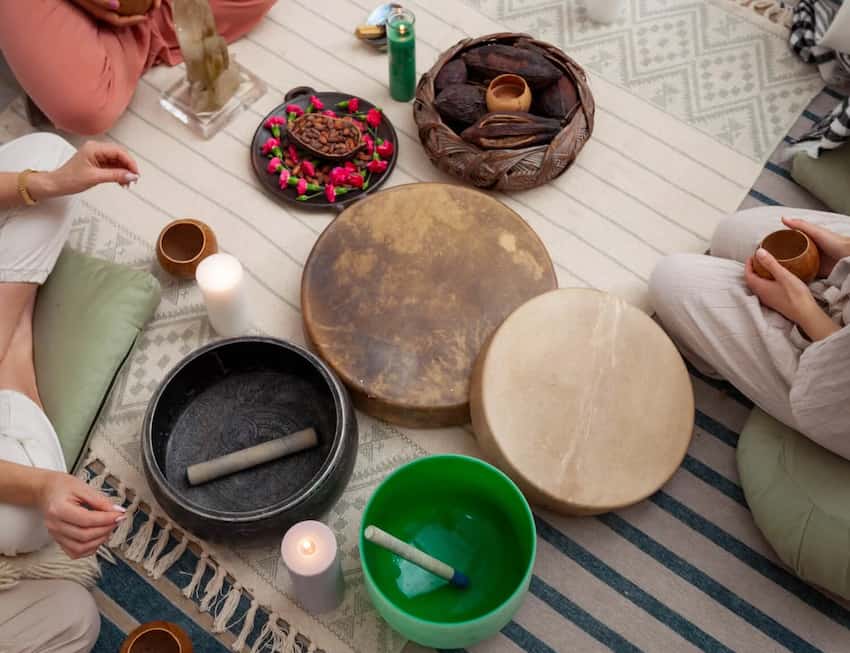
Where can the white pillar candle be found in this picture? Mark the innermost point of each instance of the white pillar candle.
(221, 280)
(605, 11)
(310, 553)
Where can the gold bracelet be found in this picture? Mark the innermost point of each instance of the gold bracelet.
(22, 187)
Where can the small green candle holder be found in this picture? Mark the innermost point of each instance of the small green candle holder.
(401, 38)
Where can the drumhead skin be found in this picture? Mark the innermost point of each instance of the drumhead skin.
(584, 401)
(402, 290)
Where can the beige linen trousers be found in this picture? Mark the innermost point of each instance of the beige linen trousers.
(720, 326)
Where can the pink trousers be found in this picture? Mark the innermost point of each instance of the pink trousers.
(82, 73)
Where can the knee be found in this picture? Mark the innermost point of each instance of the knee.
(667, 281)
(78, 624)
(235, 18)
(83, 116)
(23, 530)
(39, 151)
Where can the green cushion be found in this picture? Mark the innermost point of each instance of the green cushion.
(827, 178)
(87, 317)
(799, 494)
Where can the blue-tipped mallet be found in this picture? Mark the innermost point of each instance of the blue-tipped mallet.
(419, 558)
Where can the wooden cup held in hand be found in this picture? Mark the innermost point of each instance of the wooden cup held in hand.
(794, 251)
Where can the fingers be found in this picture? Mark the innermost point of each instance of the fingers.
(110, 155)
(95, 499)
(813, 231)
(83, 535)
(115, 175)
(78, 550)
(71, 513)
(156, 4)
(770, 264)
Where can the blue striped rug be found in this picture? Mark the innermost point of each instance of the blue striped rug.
(684, 571)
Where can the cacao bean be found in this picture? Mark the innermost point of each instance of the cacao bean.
(557, 100)
(453, 72)
(462, 103)
(509, 130)
(490, 61)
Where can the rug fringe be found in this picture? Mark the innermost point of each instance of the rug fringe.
(157, 549)
(214, 588)
(200, 568)
(276, 636)
(141, 540)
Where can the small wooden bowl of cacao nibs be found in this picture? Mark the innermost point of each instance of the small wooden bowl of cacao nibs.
(334, 139)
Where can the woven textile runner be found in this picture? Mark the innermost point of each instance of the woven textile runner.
(684, 571)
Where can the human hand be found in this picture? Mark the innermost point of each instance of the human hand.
(106, 11)
(94, 163)
(832, 246)
(77, 516)
(789, 296)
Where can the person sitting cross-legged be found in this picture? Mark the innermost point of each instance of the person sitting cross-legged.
(39, 500)
(784, 344)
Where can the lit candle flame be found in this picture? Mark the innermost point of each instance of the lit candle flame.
(402, 30)
(307, 546)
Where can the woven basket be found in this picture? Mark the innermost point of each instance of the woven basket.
(518, 169)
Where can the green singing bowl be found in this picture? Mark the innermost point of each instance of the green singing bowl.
(467, 514)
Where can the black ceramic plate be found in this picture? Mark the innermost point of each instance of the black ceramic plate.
(301, 97)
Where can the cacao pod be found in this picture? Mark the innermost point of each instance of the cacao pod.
(453, 72)
(508, 130)
(557, 100)
(490, 61)
(461, 103)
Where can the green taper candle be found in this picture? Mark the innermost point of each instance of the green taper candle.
(402, 54)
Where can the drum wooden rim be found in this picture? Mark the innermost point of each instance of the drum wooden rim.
(493, 442)
(404, 412)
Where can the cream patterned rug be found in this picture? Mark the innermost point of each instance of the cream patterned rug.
(722, 66)
(686, 571)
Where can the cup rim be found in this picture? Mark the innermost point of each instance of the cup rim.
(501, 79)
(806, 239)
(134, 638)
(192, 222)
(458, 625)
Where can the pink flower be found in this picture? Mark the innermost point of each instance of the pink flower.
(301, 187)
(284, 178)
(377, 166)
(329, 113)
(353, 105)
(270, 144)
(318, 105)
(355, 180)
(293, 153)
(338, 176)
(360, 125)
(373, 117)
(294, 108)
(385, 149)
(271, 121)
(330, 192)
(370, 144)
(308, 169)
(274, 166)
(350, 166)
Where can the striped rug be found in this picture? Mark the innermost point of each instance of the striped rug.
(684, 571)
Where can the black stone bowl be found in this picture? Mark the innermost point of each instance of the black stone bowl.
(237, 393)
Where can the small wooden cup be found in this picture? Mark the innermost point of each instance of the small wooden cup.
(508, 93)
(157, 637)
(183, 244)
(794, 251)
(134, 7)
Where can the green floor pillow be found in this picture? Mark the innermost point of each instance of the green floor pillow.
(827, 177)
(87, 317)
(799, 494)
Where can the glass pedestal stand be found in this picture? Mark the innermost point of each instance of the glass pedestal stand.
(176, 100)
